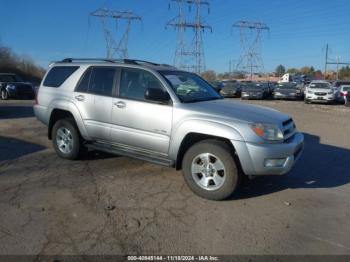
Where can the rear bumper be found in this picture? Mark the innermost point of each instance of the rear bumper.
(253, 157)
(41, 114)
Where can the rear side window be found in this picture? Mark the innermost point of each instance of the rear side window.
(98, 81)
(59, 74)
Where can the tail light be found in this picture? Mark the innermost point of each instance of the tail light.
(343, 93)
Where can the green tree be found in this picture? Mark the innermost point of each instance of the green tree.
(344, 73)
(280, 70)
(209, 75)
(292, 71)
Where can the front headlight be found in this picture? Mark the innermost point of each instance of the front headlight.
(310, 92)
(330, 93)
(267, 131)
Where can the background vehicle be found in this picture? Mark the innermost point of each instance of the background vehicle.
(231, 88)
(12, 86)
(341, 93)
(319, 91)
(288, 91)
(217, 85)
(255, 91)
(166, 116)
(347, 100)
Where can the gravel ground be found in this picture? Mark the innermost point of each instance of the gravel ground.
(104, 204)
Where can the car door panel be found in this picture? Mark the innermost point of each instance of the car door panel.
(138, 123)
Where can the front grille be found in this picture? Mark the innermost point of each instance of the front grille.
(288, 129)
(320, 94)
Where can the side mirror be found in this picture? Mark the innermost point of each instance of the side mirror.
(157, 95)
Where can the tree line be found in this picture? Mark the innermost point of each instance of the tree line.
(22, 66)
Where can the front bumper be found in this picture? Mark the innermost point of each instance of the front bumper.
(253, 156)
(248, 95)
(287, 96)
(320, 98)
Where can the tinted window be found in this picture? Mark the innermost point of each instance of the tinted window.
(101, 81)
(83, 85)
(134, 83)
(58, 75)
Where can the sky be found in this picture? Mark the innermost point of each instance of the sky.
(299, 30)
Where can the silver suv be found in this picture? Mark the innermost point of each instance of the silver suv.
(166, 116)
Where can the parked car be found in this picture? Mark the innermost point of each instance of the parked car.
(288, 91)
(338, 83)
(255, 91)
(231, 88)
(319, 91)
(341, 93)
(347, 100)
(12, 86)
(218, 85)
(166, 116)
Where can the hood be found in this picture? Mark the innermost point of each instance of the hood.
(238, 111)
(15, 83)
(320, 90)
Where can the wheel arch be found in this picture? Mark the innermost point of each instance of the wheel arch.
(192, 138)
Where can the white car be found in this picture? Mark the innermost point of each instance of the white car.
(319, 91)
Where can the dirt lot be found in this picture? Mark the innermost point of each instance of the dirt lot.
(115, 205)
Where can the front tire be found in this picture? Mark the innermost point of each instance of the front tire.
(66, 139)
(4, 94)
(210, 170)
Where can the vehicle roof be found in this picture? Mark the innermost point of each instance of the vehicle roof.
(12, 74)
(109, 62)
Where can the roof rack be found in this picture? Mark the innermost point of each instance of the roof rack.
(125, 61)
(71, 60)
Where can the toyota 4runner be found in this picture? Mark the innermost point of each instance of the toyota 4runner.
(166, 116)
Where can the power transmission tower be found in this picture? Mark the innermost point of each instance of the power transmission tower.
(250, 37)
(190, 56)
(114, 47)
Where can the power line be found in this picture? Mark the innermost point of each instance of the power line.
(190, 56)
(250, 59)
(119, 48)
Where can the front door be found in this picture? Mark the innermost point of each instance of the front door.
(138, 123)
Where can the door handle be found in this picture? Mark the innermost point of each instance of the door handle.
(120, 104)
(80, 98)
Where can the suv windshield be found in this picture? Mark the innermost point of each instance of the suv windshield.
(320, 85)
(189, 87)
(10, 78)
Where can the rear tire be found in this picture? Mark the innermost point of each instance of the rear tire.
(66, 139)
(210, 170)
(4, 94)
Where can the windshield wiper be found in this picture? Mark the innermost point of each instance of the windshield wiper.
(202, 100)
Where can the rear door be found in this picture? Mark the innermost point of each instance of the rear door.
(138, 123)
(93, 97)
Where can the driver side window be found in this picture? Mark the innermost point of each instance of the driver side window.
(134, 82)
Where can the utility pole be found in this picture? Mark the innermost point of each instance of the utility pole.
(119, 48)
(338, 58)
(326, 63)
(250, 59)
(190, 56)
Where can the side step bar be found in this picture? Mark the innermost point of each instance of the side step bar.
(132, 153)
